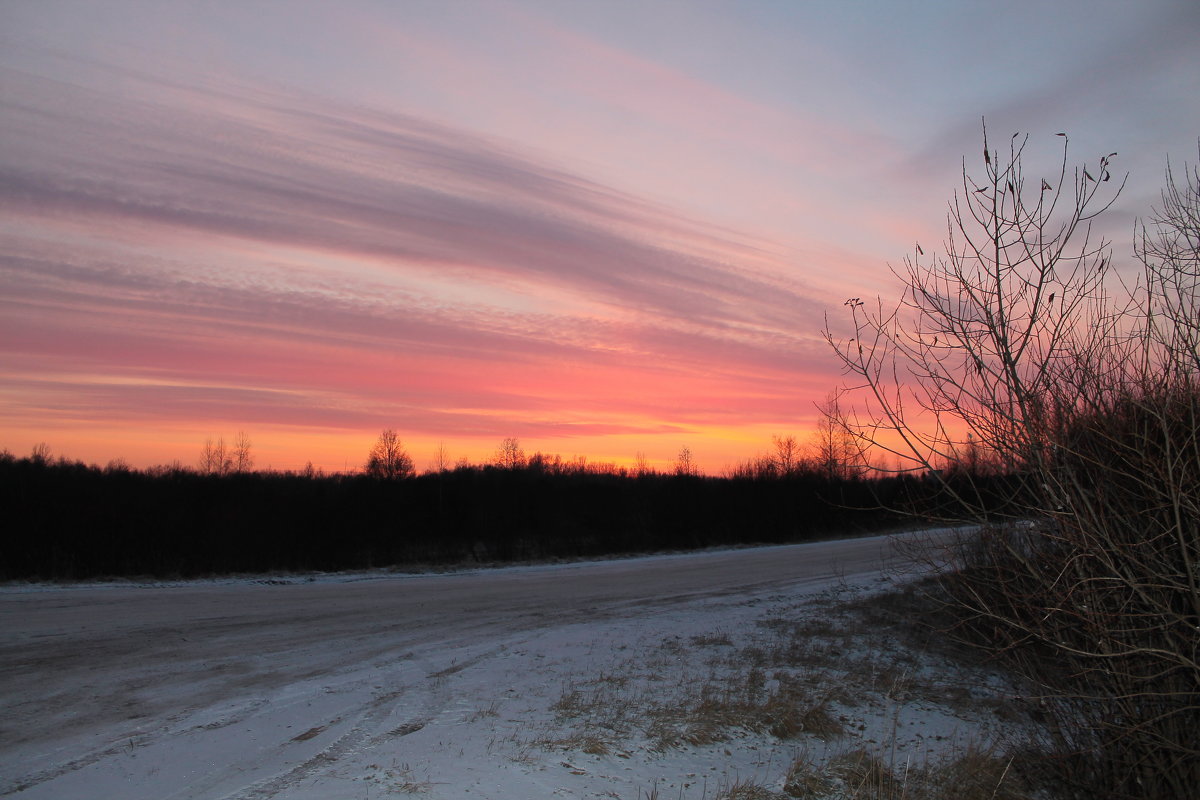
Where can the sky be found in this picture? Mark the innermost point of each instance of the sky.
(603, 228)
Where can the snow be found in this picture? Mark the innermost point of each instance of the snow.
(576, 681)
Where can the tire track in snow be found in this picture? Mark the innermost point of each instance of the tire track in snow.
(364, 734)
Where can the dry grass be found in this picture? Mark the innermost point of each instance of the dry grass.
(489, 711)
(400, 780)
(691, 711)
(749, 791)
(578, 741)
(812, 679)
(975, 774)
(978, 774)
(864, 775)
(740, 701)
(714, 639)
(807, 782)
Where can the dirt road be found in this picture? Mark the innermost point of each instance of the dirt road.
(222, 681)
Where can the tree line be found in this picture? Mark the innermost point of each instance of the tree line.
(70, 520)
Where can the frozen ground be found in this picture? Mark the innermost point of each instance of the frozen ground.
(683, 674)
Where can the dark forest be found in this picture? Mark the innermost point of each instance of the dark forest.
(69, 520)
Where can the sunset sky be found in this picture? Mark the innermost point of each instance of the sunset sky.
(604, 228)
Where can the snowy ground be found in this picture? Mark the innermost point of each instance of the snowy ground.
(684, 675)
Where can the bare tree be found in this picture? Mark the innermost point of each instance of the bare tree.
(641, 466)
(1011, 348)
(836, 453)
(388, 458)
(509, 454)
(787, 459)
(40, 454)
(118, 465)
(242, 458)
(1170, 254)
(974, 343)
(441, 460)
(215, 458)
(685, 464)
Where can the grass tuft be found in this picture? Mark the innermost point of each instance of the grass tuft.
(806, 782)
(865, 775)
(749, 791)
(978, 775)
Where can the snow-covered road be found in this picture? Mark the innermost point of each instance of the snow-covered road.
(319, 687)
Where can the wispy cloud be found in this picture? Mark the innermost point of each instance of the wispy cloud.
(346, 182)
(311, 270)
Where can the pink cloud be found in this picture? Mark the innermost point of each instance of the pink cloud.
(284, 279)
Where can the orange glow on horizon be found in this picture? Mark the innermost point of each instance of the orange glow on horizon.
(280, 449)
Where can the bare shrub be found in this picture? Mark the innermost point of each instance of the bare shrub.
(1086, 577)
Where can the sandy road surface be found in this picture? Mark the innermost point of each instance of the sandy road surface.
(242, 689)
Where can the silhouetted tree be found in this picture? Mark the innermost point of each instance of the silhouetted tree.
(388, 458)
(835, 451)
(215, 459)
(40, 453)
(241, 458)
(684, 463)
(509, 454)
(787, 454)
(441, 460)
